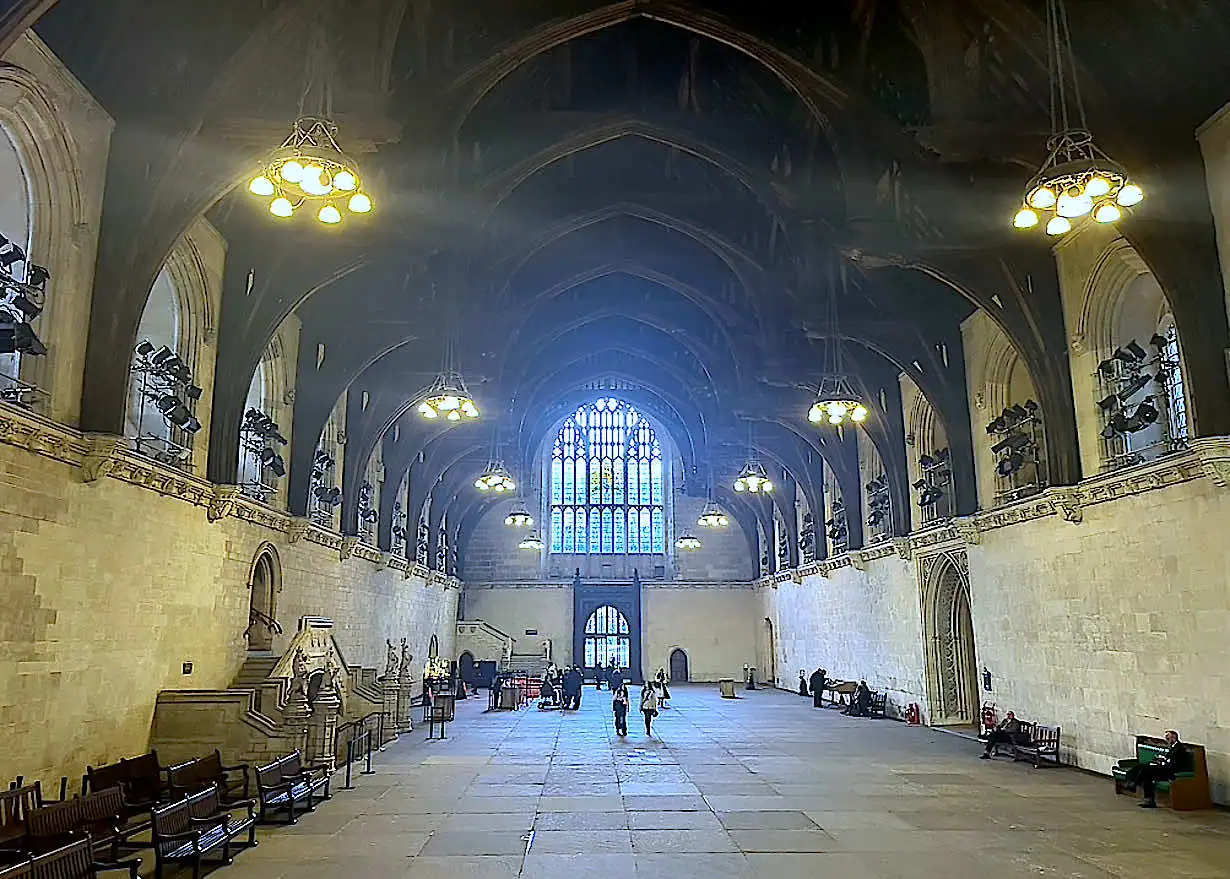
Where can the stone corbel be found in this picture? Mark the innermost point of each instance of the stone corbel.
(905, 549)
(223, 502)
(347, 548)
(1067, 504)
(383, 561)
(1214, 455)
(298, 528)
(101, 456)
(858, 561)
(967, 530)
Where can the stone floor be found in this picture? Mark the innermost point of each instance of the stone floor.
(762, 786)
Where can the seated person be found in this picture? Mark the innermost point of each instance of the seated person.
(1009, 732)
(1163, 768)
(860, 703)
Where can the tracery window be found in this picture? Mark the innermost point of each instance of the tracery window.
(606, 483)
(607, 639)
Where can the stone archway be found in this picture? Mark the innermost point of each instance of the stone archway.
(264, 584)
(951, 662)
(769, 672)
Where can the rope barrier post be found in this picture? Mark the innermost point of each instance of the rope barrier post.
(369, 770)
(349, 763)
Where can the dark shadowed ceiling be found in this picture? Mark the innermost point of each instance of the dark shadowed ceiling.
(663, 194)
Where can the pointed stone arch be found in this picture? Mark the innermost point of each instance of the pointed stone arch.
(264, 585)
(948, 639)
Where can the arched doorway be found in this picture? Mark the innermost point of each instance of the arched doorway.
(607, 639)
(433, 647)
(679, 666)
(264, 584)
(952, 669)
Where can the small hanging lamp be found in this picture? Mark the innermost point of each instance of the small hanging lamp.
(519, 516)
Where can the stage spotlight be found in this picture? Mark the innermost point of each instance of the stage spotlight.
(1158, 341)
(146, 348)
(12, 256)
(191, 425)
(192, 392)
(1013, 443)
(922, 483)
(1010, 464)
(38, 277)
(1138, 353)
(927, 461)
(19, 337)
(1108, 403)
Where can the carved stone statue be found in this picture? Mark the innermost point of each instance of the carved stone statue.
(390, 664)
(406, 658)
(299, 674)
(334, 675)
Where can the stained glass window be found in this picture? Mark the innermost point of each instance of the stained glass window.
(607, 476)
(607, 639)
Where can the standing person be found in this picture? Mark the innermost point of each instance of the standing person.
(619, 704)
(649, 706)
(616, 676)
(666, 691)
(819, 678)
(572, 688)
(802, 683)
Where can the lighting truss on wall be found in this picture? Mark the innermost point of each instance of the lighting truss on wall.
(837, 528)
(1018, 451)
(164, 382)
(935, 485)
(324, 496)
(1138, 390)
(398, 529)
(879, 508)
(260, 438)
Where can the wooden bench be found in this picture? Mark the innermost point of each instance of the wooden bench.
(143, 779)
(179, 837)
(207, 805)
(210, 772)
(73, 861)
(103, 816)
(1026, 734)
(1042, 745)
(15, 808)
(1188, 791)
(284, 783)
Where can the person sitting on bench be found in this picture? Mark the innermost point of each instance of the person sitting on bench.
(1008, 732)
(860, 702)
(1162, 768)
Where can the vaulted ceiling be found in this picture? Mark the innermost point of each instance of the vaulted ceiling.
(660, 193)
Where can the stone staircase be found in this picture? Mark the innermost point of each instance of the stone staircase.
(256, 670)
(532, 663)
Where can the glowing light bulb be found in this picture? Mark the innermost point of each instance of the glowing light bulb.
(837, 410)
(859, 413)
(1107, 213)
(1073, 203)
(261, 186)
(454, 416)
(291, 172)
(281, 207)
(329, 215)
(449, 402)
(740, 485)
(427, 410)
(1097, 186)
(1025, 219)
(468, 409)
(360, 204)
(1058, 226)
(766, 486)
(345, 181)
(835, 419)
(815, 414)
(1131, 195)
(1042, 198)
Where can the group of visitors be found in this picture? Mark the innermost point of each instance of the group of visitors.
(860, 700)
(651, 702)
(561, 688)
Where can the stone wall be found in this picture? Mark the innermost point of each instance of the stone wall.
(1104, 609)
(110, 587)
(542, 607)
(715, 626)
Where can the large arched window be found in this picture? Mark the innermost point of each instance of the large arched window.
(606, 483)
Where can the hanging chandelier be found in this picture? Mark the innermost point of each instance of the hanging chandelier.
(519, 516)
(712, 517)
(448, 398)
(1077, 180)
(835, 402)
(309, 168)
(531, 541)
(496, 478)
(753, 479)
(688, 542)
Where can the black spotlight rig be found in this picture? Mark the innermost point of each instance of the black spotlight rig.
(368, 514)
(879, 508)
(164, 381)
(399, 529)
(935, 486)
(23, 293)
(325, 496)
(260, 437)
(837, 528)
(807, 539)
(1018, 451)
(1131, 381)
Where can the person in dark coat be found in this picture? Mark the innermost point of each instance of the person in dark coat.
(802, 684)
(1162, 768)
(619, 705)
(860, 703)
(573, 681)
(1009, 732)
(819, 678)
(616, 676)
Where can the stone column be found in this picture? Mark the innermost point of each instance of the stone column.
(322, 730)
(391, 691)
(405, 694)
(296, 717)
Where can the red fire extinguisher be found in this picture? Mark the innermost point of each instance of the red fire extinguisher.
(990, 717)
(913, 714)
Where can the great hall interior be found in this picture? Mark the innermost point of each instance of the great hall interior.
(360, 354)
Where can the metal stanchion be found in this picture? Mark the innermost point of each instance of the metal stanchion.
(369, 770)
(349, 762)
